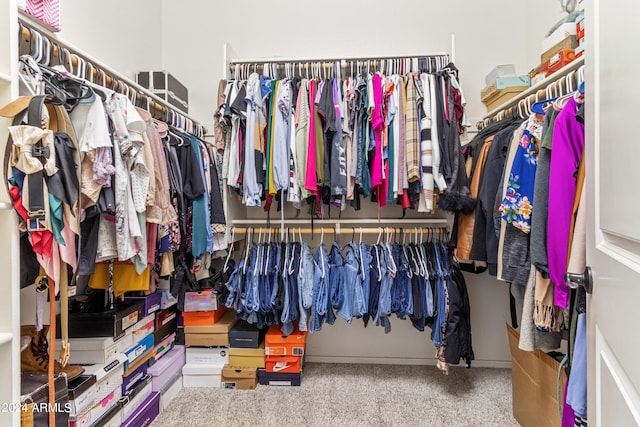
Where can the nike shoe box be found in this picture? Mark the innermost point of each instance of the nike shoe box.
(239, 378)
(276, 344)
(207, 356)
(279, 378)
(247, 357)
(291, 364)
(87, 351)
(212, 335)
(245, 335)
(145, 413)
(150, 303)
(167, 368)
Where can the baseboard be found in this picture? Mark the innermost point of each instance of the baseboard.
(505, 364)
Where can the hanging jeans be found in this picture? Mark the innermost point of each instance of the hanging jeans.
(375, 279)
(303, 263)
(354, 280)
(321, 309)
(340, 297)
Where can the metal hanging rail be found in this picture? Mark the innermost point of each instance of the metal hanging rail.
(99, 73)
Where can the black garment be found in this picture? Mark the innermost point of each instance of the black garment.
(457, 197)
(192, 185)
(216, 206)
(458, 327)
(485, 239)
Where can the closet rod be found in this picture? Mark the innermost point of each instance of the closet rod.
(343, 231)
(357, 221)
(95, 66)
(344, 60)
(572, 73)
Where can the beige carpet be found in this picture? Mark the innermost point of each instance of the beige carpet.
(355, 395)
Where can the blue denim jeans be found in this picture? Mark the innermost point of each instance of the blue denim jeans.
(354, 280)
(303, 258)
(321, 309)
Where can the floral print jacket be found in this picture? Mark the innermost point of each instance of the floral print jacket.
(517, 205)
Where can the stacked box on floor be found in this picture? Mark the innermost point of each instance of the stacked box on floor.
(167, 375)
(142, 349)
(210, 335)
(284, 356)
(34, 399)
(203, 366)
(82, 393)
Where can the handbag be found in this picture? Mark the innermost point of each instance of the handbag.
(45, 11)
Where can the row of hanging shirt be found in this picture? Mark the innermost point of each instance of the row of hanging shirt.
(286, 283)
(146, 189)
(394, 138)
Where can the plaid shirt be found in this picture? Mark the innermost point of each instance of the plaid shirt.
(412, 153)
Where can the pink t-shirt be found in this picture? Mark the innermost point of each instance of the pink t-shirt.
(310, 182)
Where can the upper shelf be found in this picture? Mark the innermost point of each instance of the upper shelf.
(542, 84)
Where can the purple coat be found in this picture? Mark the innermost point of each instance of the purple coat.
(568, 145)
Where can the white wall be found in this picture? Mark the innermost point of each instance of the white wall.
(186, 38)
(122, 34)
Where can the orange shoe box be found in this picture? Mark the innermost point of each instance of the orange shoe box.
(275, 344)
(284, 364)
(202, 318)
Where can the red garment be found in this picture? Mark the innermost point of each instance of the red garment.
(41, 241)
(152, 238)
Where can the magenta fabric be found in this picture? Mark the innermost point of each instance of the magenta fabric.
(377, 124)
(311, 182)
(568, 417)
(566, 152)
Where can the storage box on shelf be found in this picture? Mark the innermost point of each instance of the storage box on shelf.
(555, 63)
(96, 350)
(165, 86)
(82, 394)
(166, 324)
(204, 300)
(167, 368)
(570, 42)
(131, 381)
(151, 302)
(134, 397)
(500, 71)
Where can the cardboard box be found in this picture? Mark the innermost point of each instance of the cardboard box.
(276, 344)
(562, 32)
(168, 393)
(145, 413)
(570, 42)
(82, 394)
(247, 357)
(203, 318)
(111, 323)
(95, 350)
(212, 335)
(239, 378)
(534, 384)
(207, 356)
(209, 376)
(245, 335)
(135, 396)
(204, 300)
(283, 363)
(142, 329)
(501, 83)
(132, 380)
(151, 302)
(554, 63)
(167, 367)
(279, 378)
(500, 71)
(136, 352)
